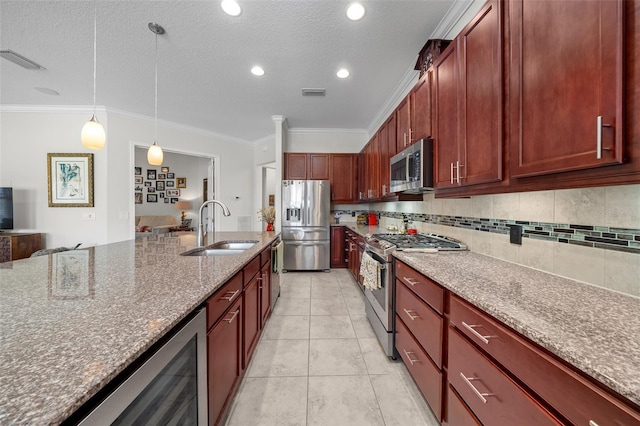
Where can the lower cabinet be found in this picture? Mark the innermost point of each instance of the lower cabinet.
(224, 353)
(338, 247)
(251, 312)
(265, 293)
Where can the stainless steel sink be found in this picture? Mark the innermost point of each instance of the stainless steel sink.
(221, 248)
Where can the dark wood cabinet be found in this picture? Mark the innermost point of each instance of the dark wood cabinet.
(251, 318)
(468, 103)
(295, 166)
(384, 154)
(224, 353)
(343, 176)
(420, 107)
(17, 245)
(318, 167)
(403, 124)
(265, 293)
(564, 76)
(338, 247)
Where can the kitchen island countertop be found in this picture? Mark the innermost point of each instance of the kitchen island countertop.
(71, 321)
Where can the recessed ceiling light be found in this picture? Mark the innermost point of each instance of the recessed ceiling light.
(47, 91)
(231, 7)
(343, 73)
(257, 71)
(355, 11)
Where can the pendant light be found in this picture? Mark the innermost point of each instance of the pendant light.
(154, 155)
(92, 135)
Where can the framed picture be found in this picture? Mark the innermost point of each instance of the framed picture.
(181, 182)
(170, 183)
(162, 176)
(166, 200)
(161, 194)
(151, 174)
(138, 188)
(138, 171)
(171, 175)
(147, 183)
(71, 275)
(70, 180)
(272, 200)
(205, 189)
(138, 196)
(137, 180)
(160, 185)
(173, 192)
(164, 169)
(152, 198)
(174, 200)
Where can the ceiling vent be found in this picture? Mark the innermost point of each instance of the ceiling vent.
(18, 59)
(313, 92)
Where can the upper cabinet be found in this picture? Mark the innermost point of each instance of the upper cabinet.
(403, 124)
(295, 166)
(468, 103)
(566, 85)
(420, 107)
(318, 167)
(340, 169)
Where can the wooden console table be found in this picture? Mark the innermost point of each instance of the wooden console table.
(18, 245)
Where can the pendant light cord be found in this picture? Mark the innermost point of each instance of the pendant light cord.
(156, 102)
(95, 36)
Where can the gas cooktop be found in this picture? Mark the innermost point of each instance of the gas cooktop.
(385, 243)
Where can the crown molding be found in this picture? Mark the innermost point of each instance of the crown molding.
(451, 18)
(307, 130)
(405, 85)
(52, 109)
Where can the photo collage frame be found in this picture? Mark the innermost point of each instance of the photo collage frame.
(157, 186)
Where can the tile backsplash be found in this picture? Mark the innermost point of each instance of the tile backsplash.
(588, 234)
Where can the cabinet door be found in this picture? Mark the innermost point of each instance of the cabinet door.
(251, 319)
(403, 124)
(421, 108)
(337, 247)
(295, 166)
(446, 123)
(565, 74)
(265, 293)
(480, 55)
(343, 177)
(392, 130)
(383, 161)
(224, 358)
(318, 166)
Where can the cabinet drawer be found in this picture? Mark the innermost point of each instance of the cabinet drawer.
(424, 372)
(423, 322)
(265, 255)
(458, 414)
(570, 394)
(492, 396)
(428, 290)
(223, 298)
(251, 269)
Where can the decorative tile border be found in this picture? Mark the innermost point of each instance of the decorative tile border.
(608, 238)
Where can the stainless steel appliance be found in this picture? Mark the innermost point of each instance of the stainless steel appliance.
(380, 303)
(276, 267)
(305, 224)
(170, 387)
(411, 169)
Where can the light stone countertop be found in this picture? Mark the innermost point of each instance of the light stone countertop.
(592, 328)
(62, 339)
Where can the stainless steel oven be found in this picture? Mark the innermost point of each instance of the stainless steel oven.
(170, 387)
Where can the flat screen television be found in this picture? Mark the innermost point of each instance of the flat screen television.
(6, 208)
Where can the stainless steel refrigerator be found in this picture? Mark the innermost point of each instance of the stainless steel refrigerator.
(305, 224)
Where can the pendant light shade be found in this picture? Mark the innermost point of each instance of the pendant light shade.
(93, 135)
(155, 155)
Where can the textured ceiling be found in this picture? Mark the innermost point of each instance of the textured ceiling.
(205, 57)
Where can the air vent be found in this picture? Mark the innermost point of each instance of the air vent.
(313, 92)
(18, 59)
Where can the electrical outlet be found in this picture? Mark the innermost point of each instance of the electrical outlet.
(89, 216)
(515, 234)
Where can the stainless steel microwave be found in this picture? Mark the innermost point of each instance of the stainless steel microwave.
(412, 168)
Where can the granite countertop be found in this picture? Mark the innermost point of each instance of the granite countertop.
(70, 322)
(592, 328)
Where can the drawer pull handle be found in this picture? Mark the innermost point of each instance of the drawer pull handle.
(592, 423)
(235, 314)
(229, 298)
(413, 317)
(412, 361)
(410, 280)
(480, 395)
(471, 328)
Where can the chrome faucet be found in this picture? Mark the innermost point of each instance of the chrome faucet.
(203, 226)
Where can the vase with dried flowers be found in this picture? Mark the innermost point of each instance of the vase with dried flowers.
(268, 214)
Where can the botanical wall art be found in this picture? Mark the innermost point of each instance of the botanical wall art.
(70, 179)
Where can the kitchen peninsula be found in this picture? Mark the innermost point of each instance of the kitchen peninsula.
(63, 341)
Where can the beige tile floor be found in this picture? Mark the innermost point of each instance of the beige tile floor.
(318, 362)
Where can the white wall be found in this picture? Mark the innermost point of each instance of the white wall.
(26, 137)
(325, 140)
